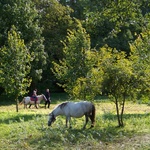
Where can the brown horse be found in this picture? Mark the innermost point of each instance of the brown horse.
(27, 100)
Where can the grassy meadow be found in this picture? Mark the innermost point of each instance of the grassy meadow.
(28, 130)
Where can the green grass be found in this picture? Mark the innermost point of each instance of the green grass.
(28, 130)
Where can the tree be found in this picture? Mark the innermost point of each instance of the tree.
(118, 80)
(15, 65)
(124, 78)
(140, 50)
(74, 64)
(89, 86)
(55, 20)
(77, 5)
(24, 16)
(115, 22)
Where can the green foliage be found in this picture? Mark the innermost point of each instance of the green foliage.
(118, 75)
(89, 86)
(24, 16)
(117, 78)
(75, 63)
(114, 22)
(15, 65)
(141, 58)
(55, 20)
(44, 24)
(109, 71)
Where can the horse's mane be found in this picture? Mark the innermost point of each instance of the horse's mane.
(62, 105)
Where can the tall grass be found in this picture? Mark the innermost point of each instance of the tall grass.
(28, 130)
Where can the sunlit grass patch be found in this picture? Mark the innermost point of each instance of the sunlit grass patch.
(28, 130)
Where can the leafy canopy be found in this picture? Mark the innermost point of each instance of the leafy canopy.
(75, 63)
(15, 64)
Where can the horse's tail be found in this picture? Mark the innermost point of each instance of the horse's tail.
(92, 116)
(22, 101)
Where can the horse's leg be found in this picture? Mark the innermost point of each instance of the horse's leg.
(35, 103)
(92, 121)
(86, 121)
(70, 122)
(68, 119)
(25, 105)
(92, 116)
(36, 106)
(39, 105)
(45, 104)
(66, 122)
(30, 105)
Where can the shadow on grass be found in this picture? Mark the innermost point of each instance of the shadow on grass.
(67, 137)
(105, 133)
(59, 136)
(19, 118)
(110, 116)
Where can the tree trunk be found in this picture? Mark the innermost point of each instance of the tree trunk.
(122, 111)
(17, 104)
(117, 109)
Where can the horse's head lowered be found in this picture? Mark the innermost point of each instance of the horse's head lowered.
(51, 119)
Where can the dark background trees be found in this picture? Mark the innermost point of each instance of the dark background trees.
(55, 20)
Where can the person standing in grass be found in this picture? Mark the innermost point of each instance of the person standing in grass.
(47, 95)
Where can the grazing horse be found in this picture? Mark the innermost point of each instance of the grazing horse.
(28, 100)
(74, 109)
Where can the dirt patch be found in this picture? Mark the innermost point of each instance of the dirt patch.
(140, 142)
